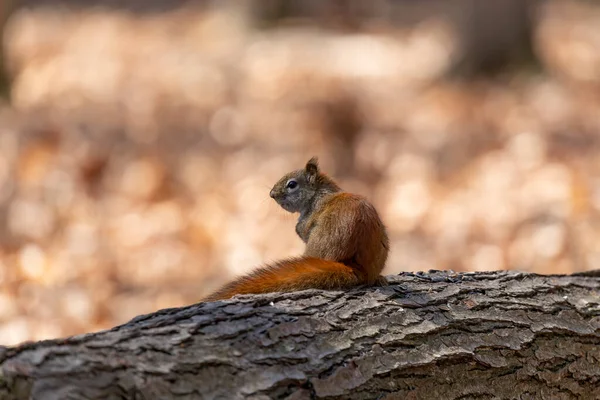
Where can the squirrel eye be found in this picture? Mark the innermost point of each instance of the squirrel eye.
(291, 184)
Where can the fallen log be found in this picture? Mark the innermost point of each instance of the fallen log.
(493, 335)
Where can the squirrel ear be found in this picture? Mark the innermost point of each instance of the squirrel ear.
(312, 167)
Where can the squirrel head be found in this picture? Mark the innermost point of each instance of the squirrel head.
(295, 190)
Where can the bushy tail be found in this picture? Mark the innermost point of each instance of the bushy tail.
(290, 275)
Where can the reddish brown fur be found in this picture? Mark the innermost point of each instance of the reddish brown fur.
(346, 242)
(347, 229)
(291, 275)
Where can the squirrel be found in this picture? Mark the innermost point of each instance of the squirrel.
(346, 242)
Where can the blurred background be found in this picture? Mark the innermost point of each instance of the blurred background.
(139, 140)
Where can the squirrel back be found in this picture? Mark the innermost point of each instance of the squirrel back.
(346, 228)
(346, 241)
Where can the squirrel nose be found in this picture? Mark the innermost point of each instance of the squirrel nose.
(272, 194)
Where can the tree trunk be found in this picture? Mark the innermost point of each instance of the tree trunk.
(6, 8)
(497, 335)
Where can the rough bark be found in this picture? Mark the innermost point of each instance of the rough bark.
(497, 335)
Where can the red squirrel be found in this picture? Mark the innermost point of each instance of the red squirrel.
(346, 242)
